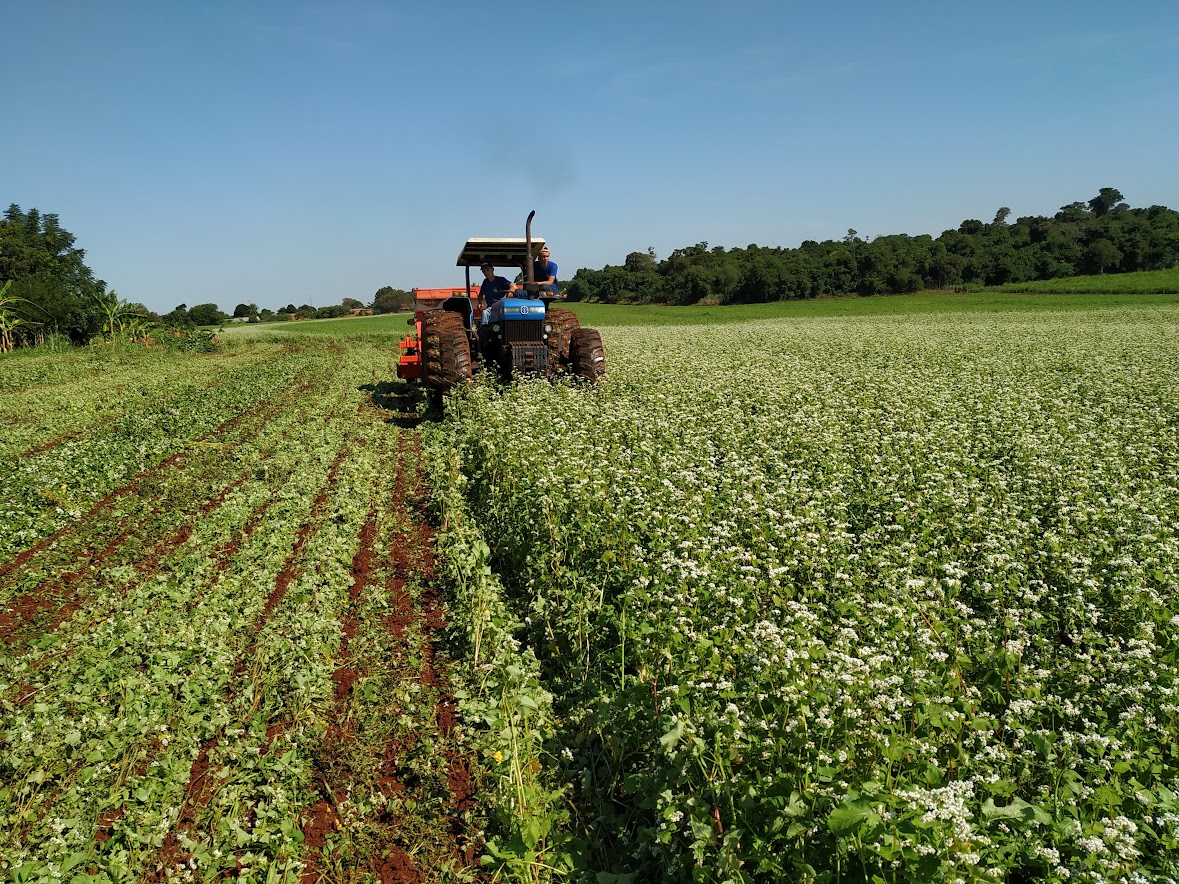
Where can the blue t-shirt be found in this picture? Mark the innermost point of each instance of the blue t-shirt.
(542, 270)
(494, 289)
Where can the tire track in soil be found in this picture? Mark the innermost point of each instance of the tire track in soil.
(321, 818)
(201, 785)
(410, 553)
(53, 443)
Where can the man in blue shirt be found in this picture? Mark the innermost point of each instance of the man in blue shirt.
(544, 272)
(494, 288)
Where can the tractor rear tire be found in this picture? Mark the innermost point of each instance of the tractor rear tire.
(564, 322)
(446, 351)
(587, 358)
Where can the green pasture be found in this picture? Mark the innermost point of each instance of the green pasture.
(1145, 282)
(345, 327)
(608, 315)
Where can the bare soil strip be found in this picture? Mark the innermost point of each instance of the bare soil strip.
(398, 844)
(201, 783)
(321, 819)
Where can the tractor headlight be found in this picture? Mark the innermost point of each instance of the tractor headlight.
(495, 328)
(548, 327)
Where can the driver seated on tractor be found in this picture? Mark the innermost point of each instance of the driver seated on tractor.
(544, 272)
(494, 288)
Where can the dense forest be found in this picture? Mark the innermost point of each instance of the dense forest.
(1103, 235)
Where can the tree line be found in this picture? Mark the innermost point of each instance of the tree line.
(1103, 235)
(46, 287)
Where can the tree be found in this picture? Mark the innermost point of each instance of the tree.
(1073, 213)
(245, 311)
(637, 262)
(206, 314)
(1101, 254)
(306, 312)
(1106, 199)
(1101, 236)
(290, 308)
(352, 304)
(48, 273)
(391, 300)
(178, 317)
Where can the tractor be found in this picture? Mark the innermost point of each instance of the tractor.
(455, 335)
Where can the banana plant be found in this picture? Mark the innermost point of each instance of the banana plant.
(122, 317)
(113, 308)
(139, 329)
(10, 320)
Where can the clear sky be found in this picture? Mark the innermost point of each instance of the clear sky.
(302, 151)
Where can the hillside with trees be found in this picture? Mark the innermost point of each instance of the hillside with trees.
(1103, 235)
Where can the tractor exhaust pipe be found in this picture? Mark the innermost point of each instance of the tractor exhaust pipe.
(529, 276)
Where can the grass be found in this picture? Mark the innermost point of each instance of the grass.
(605, 315)
(1147, 282)
(344, 327)
(1110, 291)
(610, 315)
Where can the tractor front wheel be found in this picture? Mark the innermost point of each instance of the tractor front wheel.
(563, 323)
(587, 358)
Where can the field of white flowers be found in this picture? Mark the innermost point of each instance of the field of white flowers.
(887, 598)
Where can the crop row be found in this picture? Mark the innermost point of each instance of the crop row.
(39, 416)
(224, 655)
(50, 488)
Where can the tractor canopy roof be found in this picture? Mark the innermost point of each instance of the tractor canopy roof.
(498, 251)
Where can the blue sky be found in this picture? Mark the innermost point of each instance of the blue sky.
(299, 151)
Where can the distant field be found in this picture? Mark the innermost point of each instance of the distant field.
(351, 327)
(605, 315)
(608, 315)
(1146, 282)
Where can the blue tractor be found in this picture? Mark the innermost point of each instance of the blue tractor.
(525, 333)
